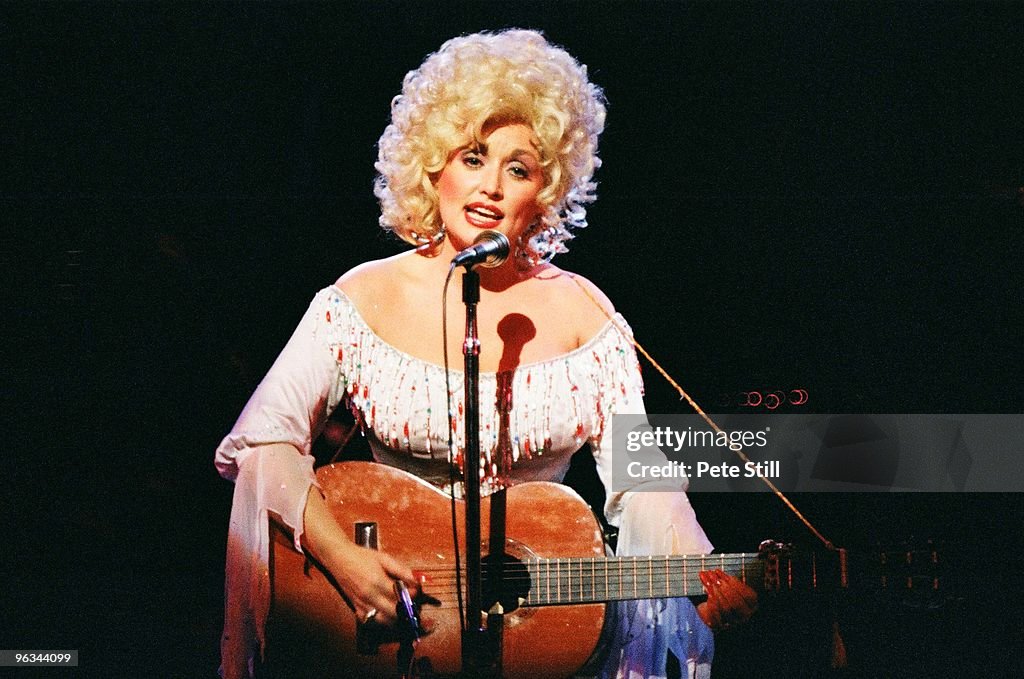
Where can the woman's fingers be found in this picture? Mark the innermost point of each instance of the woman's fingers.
(397, 570)
(735, 599)
(730, 602)
(367, 577)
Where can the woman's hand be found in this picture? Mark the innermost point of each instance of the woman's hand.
(366, 577)
(730, 602)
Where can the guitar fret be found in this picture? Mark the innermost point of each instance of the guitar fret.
(605, 573)
(619, 583)
(535, 582)
(547, 578)
(639, 577)
(634, 576)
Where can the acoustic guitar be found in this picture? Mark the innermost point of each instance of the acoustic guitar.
(552, 579)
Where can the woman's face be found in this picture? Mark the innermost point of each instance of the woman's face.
(493, 185)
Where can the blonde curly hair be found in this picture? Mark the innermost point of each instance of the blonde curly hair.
(513, 76)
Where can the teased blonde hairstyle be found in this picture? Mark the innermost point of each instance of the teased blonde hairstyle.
(514, 76)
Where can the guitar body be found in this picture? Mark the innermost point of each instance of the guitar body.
(312, 631)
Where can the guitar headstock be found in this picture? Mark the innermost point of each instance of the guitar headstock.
(775, 555)
(774, 547)
(913, 575)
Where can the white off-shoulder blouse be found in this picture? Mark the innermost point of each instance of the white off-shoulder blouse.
(533, 419)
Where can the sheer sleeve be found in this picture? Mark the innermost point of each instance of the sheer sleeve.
(654, 517)
(289, 407)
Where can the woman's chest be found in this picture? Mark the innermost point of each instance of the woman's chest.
(509, 337)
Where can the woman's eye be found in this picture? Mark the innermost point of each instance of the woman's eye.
(520, 171)
(472, 160)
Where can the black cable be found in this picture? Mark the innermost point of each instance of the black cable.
(451, 445)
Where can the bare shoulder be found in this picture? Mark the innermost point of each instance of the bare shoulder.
(580, 302)
(370, 282)
(593, 294)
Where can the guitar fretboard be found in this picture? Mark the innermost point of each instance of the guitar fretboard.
(595, 579)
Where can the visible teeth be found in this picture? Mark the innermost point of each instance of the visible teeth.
(485, 213)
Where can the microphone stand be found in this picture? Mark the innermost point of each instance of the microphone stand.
(479, 656)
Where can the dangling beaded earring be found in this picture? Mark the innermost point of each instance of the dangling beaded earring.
(539, 244)
(526, 256)
(427, 245)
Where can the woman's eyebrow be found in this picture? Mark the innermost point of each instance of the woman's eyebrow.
(482, 149)
(516, 153)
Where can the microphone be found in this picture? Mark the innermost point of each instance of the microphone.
(489, 249)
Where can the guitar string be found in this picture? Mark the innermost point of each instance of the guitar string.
(894, 574)
(674, 561)
(600, 589)
(606, 571)
(711, 423)
(660, 583)
(577, 568)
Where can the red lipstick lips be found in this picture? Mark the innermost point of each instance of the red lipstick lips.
(483, 215)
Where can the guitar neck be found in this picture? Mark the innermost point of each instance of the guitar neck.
(588, 580)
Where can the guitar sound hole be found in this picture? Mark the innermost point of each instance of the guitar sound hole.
(506, 580)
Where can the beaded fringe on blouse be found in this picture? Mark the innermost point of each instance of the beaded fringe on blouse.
(556, 403)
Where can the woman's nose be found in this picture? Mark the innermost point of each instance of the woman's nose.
(490, 183)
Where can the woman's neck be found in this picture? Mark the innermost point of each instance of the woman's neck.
(494, 279)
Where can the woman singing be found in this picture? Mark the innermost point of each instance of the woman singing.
(493, 132)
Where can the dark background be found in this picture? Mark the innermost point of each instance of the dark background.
(822, 196)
